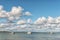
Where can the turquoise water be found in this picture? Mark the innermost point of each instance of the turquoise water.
(25, 36)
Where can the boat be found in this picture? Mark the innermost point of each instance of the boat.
(12, 32)
(29, 32)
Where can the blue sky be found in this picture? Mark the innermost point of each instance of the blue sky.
(38, 8)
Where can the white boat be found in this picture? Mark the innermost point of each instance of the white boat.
(29, 32)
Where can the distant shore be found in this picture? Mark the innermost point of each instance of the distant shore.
(26, 32)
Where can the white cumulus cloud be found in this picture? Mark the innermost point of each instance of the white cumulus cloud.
(40, 20)
(50, 19)
(16, 11)
(1, 7)
(21, 22)
(47, 20)
(28, 13)
(29, 20)
(58, 19)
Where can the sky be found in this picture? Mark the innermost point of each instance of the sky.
(35, 11)
(37, 8)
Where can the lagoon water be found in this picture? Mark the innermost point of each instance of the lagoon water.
(25, 36)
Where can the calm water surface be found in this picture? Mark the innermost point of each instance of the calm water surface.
(25, 36)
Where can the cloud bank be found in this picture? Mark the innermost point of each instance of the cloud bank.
(47, 20)
(14, 14)
(17, 12)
